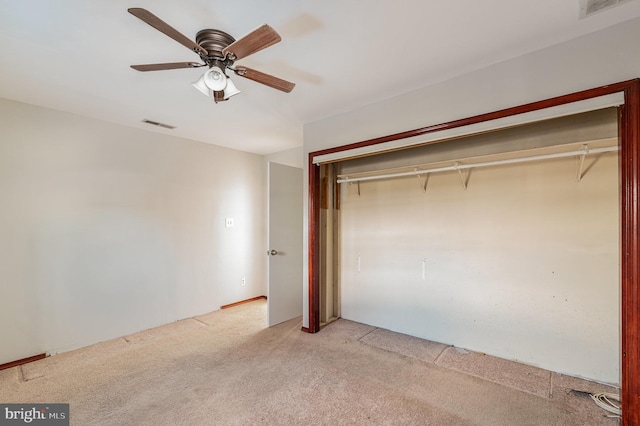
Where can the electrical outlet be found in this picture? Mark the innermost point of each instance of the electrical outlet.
(228, 222)
(244, 281)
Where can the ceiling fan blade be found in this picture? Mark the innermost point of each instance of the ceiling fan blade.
(256, 40)
(167, 29)
(166, 66)
(266, 79)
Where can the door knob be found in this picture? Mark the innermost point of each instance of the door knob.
(272, 252)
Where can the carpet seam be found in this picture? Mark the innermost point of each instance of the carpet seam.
(360, 338)
(435, 361)
(201, 322)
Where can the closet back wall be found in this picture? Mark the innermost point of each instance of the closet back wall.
(523, 264)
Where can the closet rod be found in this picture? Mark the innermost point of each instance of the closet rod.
(457, 166)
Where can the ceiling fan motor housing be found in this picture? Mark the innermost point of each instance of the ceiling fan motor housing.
(214, 41)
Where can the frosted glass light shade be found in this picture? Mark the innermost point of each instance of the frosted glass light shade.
(201, 86)
(230, 90)
(215, 79)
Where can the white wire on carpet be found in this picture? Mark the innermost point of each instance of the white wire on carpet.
(604, 400)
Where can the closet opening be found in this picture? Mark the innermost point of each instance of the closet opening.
(627, 112)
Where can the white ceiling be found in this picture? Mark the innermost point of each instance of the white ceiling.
(74, 55)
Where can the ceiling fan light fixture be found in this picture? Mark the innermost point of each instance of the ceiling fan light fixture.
(201, 86)
(230, 90)
(215, 79)
(219, 50)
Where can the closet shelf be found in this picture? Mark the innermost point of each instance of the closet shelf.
(572, 150)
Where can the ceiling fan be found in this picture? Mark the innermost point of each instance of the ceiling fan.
(218, 50)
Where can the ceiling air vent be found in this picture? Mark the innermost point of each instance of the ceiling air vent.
(155, 123)
(589, 7)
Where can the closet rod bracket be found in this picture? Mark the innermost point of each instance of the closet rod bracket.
(423, 183)
(357, 185)
(583, 155)
(462, 178)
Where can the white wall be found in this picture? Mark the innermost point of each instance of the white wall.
(608, 56)
(291, 157)
(107, 230)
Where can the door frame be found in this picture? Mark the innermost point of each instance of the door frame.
(629, 136)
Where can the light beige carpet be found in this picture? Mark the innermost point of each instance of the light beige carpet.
(227, 368)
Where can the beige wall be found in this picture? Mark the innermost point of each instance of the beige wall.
(523, 264)
(107, 230)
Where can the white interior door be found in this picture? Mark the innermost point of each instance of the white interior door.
(285, 243)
